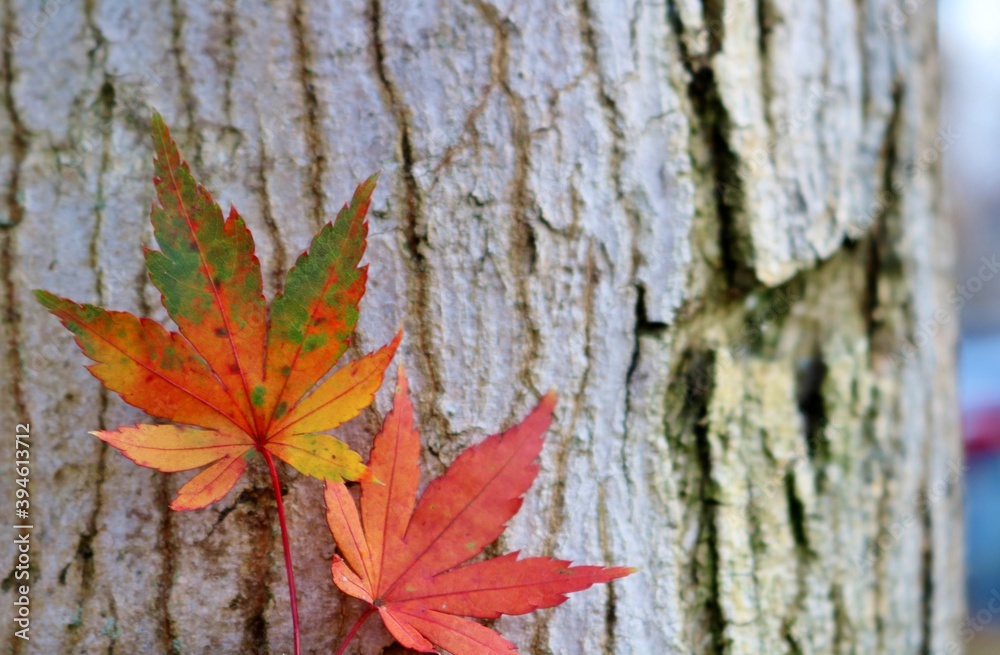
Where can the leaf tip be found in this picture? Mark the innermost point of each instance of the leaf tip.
(157, 124)
(47, 299)
(547, 404)
(393, 345)
(188, 502)
(368, 476)
(182, 504)
(402, 384)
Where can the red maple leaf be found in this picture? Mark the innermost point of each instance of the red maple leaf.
(407, 558)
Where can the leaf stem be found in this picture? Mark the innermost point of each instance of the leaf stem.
(286, 546)
(354, 629)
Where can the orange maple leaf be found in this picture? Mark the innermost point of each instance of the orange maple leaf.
(245, 376)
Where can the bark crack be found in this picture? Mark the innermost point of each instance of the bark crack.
(797, 521)
(810, 377)
(611, 602)
(689, 433)
(15, 213)
(705, 571)
(927, 578)
(315, 139)
(523, 251)
(468, 129)
(831, 199)
(257, 573)
(884, 265)
(11, 317)
(228, 64)
(107, 108)
(644, 327)
(184, 83)
(19, 134)
(874, 553)
(167, 547)
(721, 166)
(841, 620)
(556, 513)
(414, 232)
(613, 120)
(861, 30)
(112, 630)
(927, 549)
(280, 255)
(95, 31)
(765, 21)
(85, 546)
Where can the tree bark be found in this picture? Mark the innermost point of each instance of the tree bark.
(716, 229)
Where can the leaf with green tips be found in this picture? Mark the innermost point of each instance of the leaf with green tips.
(208, 274)
(211, 374)
(313, 318)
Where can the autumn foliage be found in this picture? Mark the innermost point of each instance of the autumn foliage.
(240, 377)
(407, 557)
(240, 374)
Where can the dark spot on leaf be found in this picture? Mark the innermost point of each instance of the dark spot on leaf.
(257, 396)
(220, 332)
(280, 410)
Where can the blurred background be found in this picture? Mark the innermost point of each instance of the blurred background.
(970, 47)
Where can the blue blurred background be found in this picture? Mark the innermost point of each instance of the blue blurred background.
(970, 48)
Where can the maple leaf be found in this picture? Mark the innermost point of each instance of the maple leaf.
(244, 377)
(407, 558)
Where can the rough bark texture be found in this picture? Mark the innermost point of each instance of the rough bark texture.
(716, 228)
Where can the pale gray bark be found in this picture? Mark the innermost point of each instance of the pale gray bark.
(701, 223)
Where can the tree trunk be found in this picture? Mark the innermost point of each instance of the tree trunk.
(717, 230)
